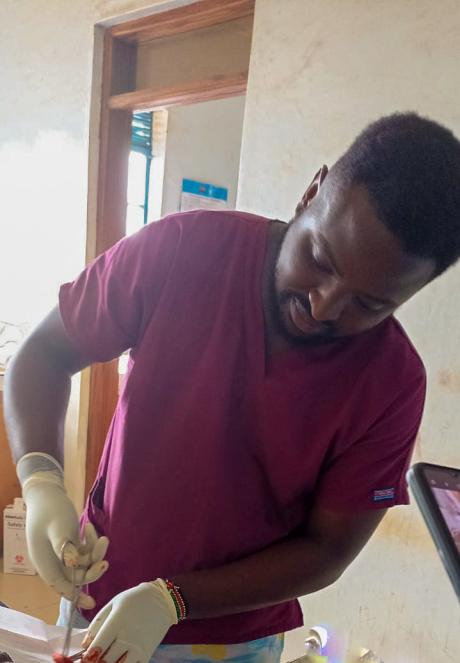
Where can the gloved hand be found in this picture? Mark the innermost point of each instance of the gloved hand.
(131, 625)
(52, 530)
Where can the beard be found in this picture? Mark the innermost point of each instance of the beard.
(280, 303)
(324, 332)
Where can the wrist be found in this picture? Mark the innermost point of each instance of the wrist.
(38, 468)
(37, 462)
(178, 599)
(173, 597)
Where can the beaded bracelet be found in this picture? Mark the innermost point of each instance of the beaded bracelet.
(177, 598)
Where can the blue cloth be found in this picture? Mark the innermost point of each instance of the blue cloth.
(263, 650)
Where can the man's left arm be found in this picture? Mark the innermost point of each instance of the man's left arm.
(364, 477)
(283, 571)
(136, 621)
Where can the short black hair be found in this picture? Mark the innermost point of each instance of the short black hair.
(410, 166)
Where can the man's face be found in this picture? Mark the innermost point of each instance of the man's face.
(340, 271)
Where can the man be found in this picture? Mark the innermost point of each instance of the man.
(269, 410)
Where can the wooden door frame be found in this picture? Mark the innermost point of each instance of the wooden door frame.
(119, 99)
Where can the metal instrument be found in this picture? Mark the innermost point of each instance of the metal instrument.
(73, 608)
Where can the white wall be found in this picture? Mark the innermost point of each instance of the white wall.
(203, 143)
(320, 71)
(46, 51)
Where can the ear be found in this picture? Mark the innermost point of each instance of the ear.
(312, 189)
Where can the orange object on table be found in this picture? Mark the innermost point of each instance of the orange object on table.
(60, 658)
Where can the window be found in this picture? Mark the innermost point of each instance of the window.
(140, 160)
(146, 169)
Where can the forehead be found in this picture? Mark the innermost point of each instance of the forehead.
(368, 255)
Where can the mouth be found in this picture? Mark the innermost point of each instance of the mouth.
(299, 313)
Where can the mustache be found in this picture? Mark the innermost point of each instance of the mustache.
(325, 328)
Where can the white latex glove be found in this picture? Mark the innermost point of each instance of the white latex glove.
(52, 530)
(131, 626)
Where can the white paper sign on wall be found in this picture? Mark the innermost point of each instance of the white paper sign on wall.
(201, 195)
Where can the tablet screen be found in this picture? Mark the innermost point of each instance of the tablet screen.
(446, 490)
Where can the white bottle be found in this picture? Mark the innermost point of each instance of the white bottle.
(316, 640)
(314, 644)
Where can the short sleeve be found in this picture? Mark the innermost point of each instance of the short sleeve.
(105, 310)
(370, 474)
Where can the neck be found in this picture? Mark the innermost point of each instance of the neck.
(274, 341)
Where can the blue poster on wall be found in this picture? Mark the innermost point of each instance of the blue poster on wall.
(202, 195)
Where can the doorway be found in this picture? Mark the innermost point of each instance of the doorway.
(172, 106)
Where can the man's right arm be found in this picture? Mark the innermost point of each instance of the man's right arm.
(104, 312)
(37, 389)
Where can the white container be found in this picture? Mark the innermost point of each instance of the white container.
(15, 555)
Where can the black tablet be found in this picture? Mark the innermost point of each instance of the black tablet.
(436, 490)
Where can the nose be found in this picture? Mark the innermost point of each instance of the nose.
(327, 303)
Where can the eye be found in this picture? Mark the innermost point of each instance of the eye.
(318, 261)
(370, 307)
